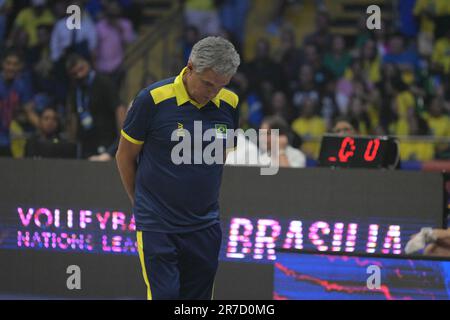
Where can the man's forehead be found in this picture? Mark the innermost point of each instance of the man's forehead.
(212, 76)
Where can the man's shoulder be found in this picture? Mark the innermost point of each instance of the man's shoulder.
(157, 92)
(229, 97)
(161, 90)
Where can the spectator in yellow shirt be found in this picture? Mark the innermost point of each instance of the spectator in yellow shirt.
(441, 55)
(371, 61)
(310, 127)
(30, 18)
(438, 122)
(409, 128)
(427, 11)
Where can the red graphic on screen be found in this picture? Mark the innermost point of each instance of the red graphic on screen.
(331, 286)
(372, 150)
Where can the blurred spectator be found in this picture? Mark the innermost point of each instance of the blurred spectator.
(310, 127)
(385, 87)
(411, 126)
(233, 15)
(252, 110)
(441, 56)
(44, 81)
(287, 155)
(41, 64)
(371, 61)
(94, 8)
(288, 55)
(322, 36)
(381, 38)
(30, 18)
(59, 9)
(64, 42)
(305, 88)
(430, 13)
(15, 101)
(191, 36)
(203, 15)
(47, 142)
(438, 122)
(132, 10)
(251, 106)
(263, 74)
(328, 104)
(113, 33)
(406, 59)
(82, 41)
(404, 99)
(355, 84)
(358, 112)
(5, 9)
(406, 20)
(310, 56)
(344, 126)
(281, 107)
(278, 12)
(338, 59)
(95, 112)
(363, 34)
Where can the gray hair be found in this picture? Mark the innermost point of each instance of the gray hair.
(216, 53)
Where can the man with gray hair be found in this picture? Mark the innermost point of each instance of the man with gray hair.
(176, 205)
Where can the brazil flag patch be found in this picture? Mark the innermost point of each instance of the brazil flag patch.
(221, 131)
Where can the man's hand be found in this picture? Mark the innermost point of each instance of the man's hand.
(101, 157)
(126, 159)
